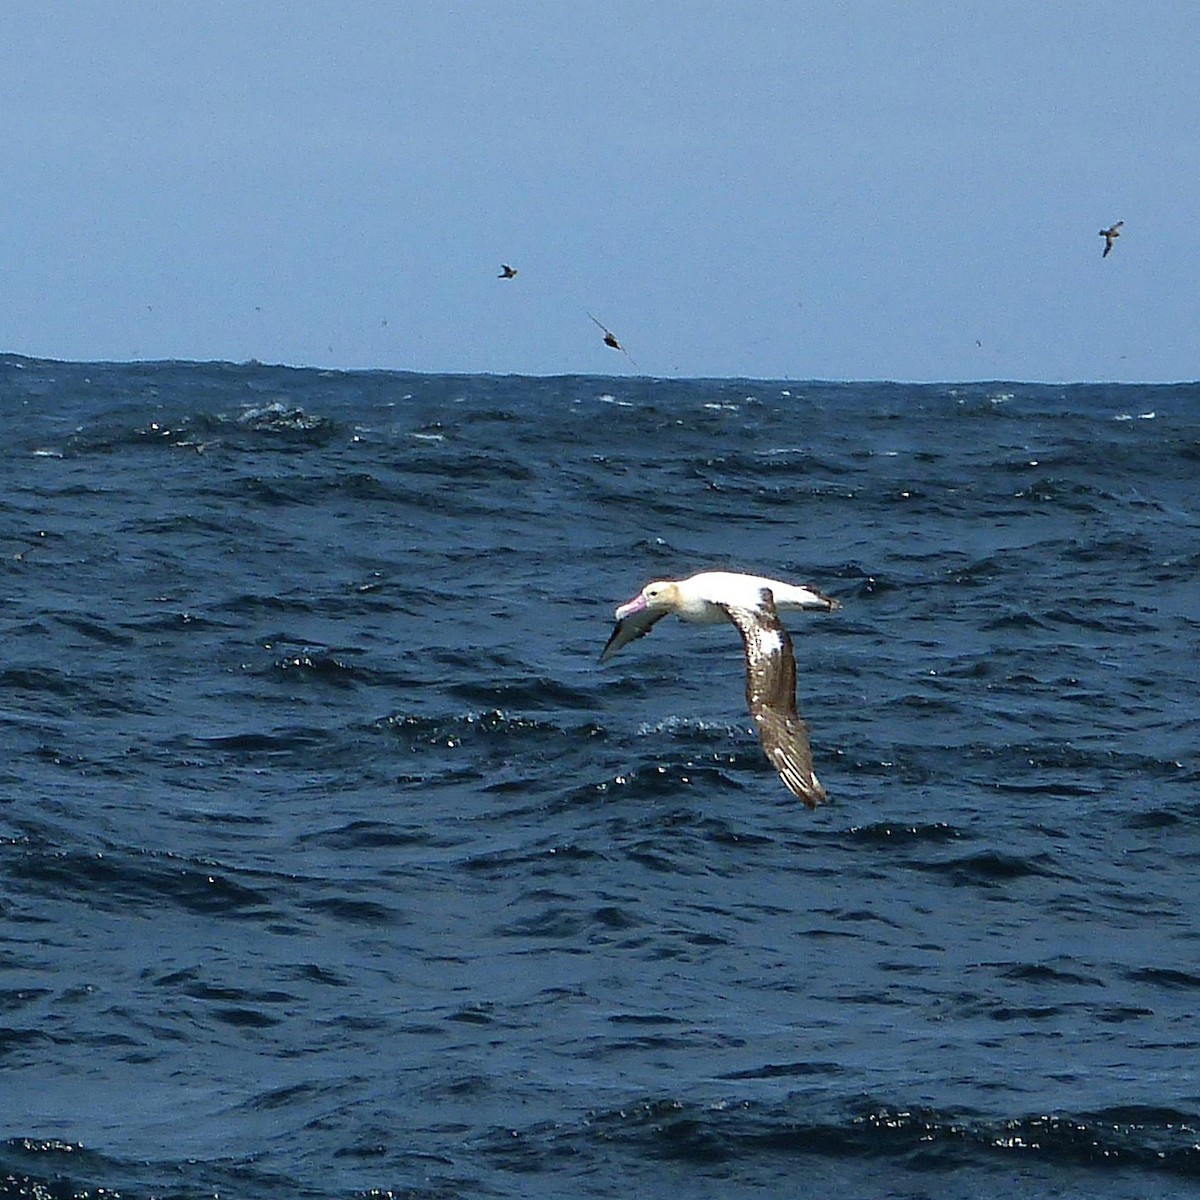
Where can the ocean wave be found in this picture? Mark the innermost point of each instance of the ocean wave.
(492, 726)
(275, 424)
(749, 1136)
(115, 880)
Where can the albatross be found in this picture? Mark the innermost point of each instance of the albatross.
(753, 604)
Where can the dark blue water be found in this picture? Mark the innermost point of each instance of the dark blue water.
(332, 864)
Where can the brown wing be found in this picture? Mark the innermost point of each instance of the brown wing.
(771, 695)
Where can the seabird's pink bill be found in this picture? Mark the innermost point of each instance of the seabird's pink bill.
(753, 604)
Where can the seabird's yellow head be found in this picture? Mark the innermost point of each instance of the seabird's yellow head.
(661, 596)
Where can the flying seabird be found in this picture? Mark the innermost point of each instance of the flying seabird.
(610, 339)
(753, 604)
(1110, 235)
(507, 272)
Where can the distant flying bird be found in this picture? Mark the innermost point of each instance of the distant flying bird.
(507, 272)
(610, 339)
(752, 604)
(1110, 235)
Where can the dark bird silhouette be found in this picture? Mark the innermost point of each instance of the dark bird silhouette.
(610, 339)
(1110, 235)
(507, 272)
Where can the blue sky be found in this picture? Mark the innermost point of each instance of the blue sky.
(761, 188)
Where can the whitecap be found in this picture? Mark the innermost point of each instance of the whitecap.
(675, 726)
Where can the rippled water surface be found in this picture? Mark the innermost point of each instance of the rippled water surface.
(333, 864)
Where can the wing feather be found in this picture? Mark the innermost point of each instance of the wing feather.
(771, 696)
(628, 628)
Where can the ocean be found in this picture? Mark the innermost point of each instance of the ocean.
(333, 864)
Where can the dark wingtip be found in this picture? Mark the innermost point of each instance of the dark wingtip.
(608, 650)
(811, 791)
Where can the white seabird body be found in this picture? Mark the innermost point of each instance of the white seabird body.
(752, 603)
